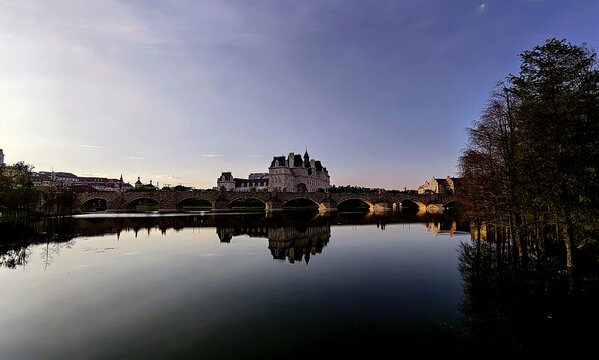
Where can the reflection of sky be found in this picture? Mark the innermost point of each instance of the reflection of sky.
(177, 92)
(103, 297)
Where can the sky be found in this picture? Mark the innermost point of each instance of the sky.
(178, 91)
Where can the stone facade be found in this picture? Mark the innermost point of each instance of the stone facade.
(255, 182)
(439, 185)
(287, 174)
(284, 174)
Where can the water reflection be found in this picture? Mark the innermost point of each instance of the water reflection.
(293, 236)
(206, 281)
(526, 308)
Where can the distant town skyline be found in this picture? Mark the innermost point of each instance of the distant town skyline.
(177, 93)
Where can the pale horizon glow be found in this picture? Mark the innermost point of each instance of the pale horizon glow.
(381, 92)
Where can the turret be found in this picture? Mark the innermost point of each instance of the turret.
(306, 158)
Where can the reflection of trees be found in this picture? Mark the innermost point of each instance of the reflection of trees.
(13, 258)
(513, 311)
(305, 233)
(52, 249)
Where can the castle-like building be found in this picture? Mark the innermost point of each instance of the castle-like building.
(289, 174)
(439, 185)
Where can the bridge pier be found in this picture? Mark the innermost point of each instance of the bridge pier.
(327, 205)
(274, 205)
(380, 207)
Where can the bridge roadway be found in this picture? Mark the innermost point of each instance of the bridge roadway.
(222, 200)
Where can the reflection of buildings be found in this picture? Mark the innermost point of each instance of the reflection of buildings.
(286, 242)
(291, 238)
(438, 227)
(292, 244)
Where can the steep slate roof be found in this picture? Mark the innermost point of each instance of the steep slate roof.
(227, 176)
(318, 165)
(281, 161)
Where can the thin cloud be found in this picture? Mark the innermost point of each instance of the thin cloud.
(135, 157)
(481, 8)
(92, 146)
(211, 155)
(256, 156)
(167, 176)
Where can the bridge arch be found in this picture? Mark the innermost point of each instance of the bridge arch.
(194, 202)
(413, 204)
(247, 201)
(143, 203)
(354, 202)
(451, 206)
(301, 200)
(94, 204)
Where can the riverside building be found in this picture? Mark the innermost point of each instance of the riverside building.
(289, 174)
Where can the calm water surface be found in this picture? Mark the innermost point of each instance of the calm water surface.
(233, 286)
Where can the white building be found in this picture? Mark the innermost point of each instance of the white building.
(284, 174)
(288, 174)
(255, 182)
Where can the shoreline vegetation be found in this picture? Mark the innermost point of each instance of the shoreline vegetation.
(530, 165)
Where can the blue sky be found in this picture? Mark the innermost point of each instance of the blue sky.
(178, 91)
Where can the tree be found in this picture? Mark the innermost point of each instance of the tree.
(558, 87)
(531, 159)
(17, 193)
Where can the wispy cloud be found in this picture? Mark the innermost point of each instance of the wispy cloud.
(135, 157)
(481, 8)
(256, 156)
(167, 176)
(92, 146)
(211, 155)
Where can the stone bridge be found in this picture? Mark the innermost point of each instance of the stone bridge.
(223, 200)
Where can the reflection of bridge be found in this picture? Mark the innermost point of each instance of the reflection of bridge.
(292, 236)
(173, 200)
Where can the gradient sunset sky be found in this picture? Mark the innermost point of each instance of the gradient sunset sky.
(178, 91)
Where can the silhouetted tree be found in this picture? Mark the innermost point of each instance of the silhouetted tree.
(531, 160)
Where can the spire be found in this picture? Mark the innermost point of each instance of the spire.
(306, 158)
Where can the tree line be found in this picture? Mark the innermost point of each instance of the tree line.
(530, 167)
(20, 200)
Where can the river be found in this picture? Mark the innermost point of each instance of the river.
(241, 285)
